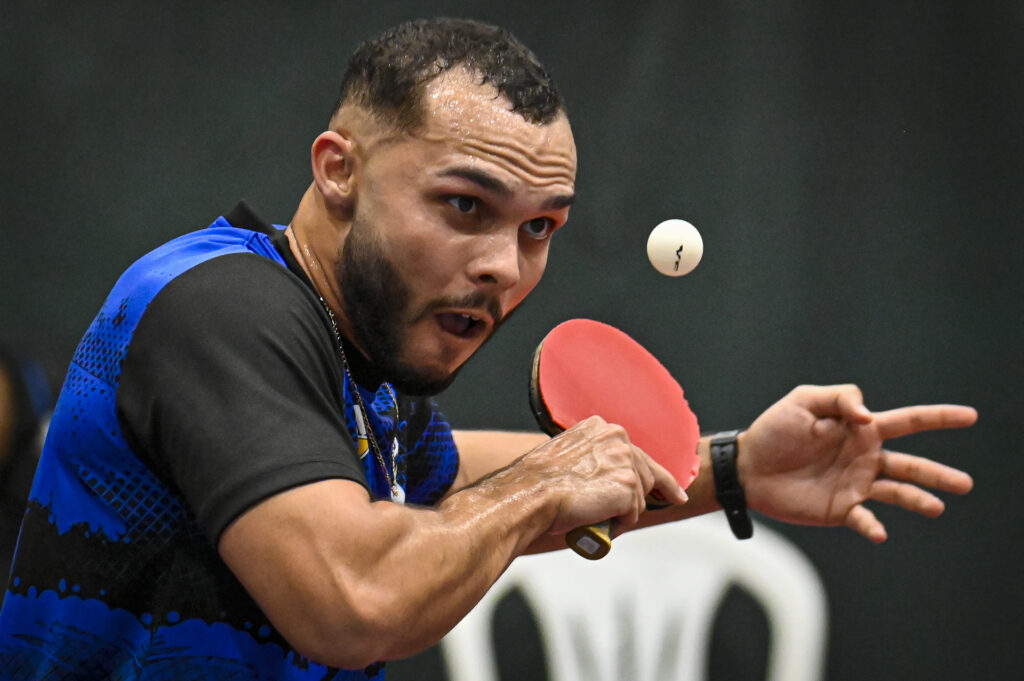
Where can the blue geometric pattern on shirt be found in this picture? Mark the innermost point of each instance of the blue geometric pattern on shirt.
(192, 650)
(85, 421)
(93, 499)
(437, 461)
(427, 459)
(136, 505)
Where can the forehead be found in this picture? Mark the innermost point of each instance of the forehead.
(475, 121)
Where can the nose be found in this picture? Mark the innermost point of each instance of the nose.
(497, 260)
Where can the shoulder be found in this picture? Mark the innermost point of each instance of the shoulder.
(182, 277)
(241, 287)
(239, 310)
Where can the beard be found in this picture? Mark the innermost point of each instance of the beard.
(377, 302)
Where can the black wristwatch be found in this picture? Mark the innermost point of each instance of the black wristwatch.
(727, 483)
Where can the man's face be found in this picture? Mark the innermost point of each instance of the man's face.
(451, 230)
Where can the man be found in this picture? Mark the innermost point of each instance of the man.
(221, 492)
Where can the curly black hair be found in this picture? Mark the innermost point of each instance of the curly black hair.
(388, 73)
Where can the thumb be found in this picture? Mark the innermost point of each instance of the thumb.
(839, 401)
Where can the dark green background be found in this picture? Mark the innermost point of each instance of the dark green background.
(855, 169)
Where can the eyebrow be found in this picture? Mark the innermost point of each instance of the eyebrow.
(560, 201)
(494, 185)
(479, 178)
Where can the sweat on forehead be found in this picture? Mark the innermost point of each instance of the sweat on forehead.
(387, 75)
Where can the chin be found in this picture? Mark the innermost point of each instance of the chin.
(415, 375)
(417, 378)
(409, 381)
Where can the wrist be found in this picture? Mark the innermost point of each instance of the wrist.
(729, 492)
(743, 462)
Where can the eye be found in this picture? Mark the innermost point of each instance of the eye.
(539, 228)
(463, 204)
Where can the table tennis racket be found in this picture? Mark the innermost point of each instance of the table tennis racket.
(584, 368)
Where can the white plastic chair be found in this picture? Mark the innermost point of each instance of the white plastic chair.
(669, 581)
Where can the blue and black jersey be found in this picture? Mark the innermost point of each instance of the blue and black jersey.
(208, 382)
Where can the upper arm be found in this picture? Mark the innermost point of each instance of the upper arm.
(228, 363)
(348, 581)
(481, 452)
(300, 555)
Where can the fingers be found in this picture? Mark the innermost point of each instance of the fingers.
(863, 522)
(847, 402)
(665, 489)
(649, 474)
(908, 420)
(903, 473)
(604, 475)
(925, 472)
(654, 483)
(836, 401)
(907, 496)
(645, 477)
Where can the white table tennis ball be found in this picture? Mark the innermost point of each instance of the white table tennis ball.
(675, 247)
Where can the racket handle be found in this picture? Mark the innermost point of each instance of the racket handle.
(592, 542)
(595, 541)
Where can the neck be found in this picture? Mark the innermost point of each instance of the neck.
(306, 231)
(313, 237)
(360, 371)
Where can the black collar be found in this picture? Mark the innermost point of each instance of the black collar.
(243, 216)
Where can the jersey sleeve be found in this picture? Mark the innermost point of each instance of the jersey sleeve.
(230, 389)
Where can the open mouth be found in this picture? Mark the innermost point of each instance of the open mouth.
(461, 325)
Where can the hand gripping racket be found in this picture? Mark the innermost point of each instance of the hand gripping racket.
(584, 368)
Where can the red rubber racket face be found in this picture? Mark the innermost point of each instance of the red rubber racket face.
(584, 367)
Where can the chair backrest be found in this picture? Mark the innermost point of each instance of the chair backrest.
(655, 596)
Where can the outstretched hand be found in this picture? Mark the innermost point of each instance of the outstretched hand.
(816, 455)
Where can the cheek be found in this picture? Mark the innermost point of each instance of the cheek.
(531, 269)
(413, 243)
(426, 259)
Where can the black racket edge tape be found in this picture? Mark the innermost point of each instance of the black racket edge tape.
(540, 411)
(594, 541)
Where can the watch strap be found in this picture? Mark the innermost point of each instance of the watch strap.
(728, 492)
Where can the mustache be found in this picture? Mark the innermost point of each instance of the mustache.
(475, 300)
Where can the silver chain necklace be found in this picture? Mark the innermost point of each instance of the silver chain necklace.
(362, 416)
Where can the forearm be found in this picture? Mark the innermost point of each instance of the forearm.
(448, 560)
(368, 581)
(701, 493)
(702, 500)
(481, 452)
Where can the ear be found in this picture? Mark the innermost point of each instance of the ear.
(334, 162)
